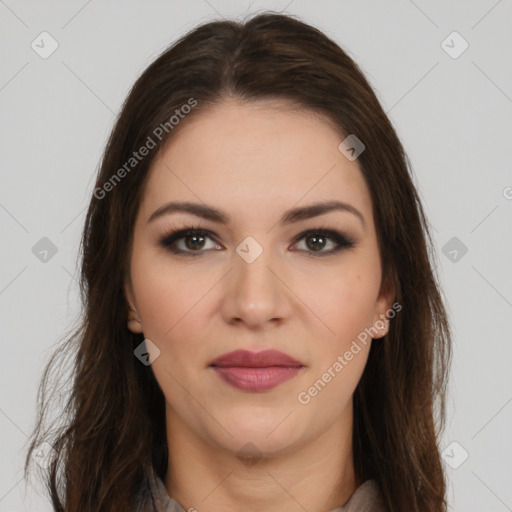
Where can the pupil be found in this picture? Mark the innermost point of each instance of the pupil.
(315, 245)
(194, 245)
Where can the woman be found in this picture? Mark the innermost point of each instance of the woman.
(263, 328)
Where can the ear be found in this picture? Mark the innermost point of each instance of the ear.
(383, 306)
(134, 321)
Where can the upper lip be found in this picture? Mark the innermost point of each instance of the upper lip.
(260, 359)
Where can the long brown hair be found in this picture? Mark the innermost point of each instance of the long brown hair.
(113, 424)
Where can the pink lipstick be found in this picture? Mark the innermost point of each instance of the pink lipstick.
(256, 371)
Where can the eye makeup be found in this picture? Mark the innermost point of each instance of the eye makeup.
(174, 238)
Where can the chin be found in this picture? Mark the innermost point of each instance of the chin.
(263, 437)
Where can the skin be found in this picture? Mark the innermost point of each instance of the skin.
(255, 161)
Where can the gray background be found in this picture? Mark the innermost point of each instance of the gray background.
(452, 114)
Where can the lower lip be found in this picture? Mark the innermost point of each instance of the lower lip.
(256, 379)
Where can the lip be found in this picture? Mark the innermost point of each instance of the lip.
(256, 371)
(261, 359)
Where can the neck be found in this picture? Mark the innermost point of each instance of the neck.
(317, 476)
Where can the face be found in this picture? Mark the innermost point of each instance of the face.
(263, 270)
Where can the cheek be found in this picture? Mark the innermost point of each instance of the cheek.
(170, 303)
(346, 303)
(166, 296)
(338, 361)
(175, 302)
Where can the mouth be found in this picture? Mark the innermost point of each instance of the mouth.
(256, 371)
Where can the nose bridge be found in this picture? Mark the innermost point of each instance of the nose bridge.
(254, 294)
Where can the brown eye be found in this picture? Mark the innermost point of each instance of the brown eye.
(317, 240)
(194, 242)
(189, 242)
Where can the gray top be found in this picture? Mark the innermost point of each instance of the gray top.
(153, 497)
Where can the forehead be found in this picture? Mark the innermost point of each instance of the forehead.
(259, 155)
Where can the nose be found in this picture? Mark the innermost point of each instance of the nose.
(255, 294)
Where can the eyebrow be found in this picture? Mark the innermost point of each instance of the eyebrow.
(289, 217)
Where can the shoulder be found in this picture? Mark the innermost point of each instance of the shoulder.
(152, 495)
(366, 498)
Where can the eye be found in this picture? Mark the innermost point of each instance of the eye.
(189, 241)
(193, 241)
(316, 240)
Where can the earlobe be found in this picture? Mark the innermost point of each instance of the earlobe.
(381, 326)
(384, 306)
(134, 321)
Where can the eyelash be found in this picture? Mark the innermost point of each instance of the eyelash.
(169, 239)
